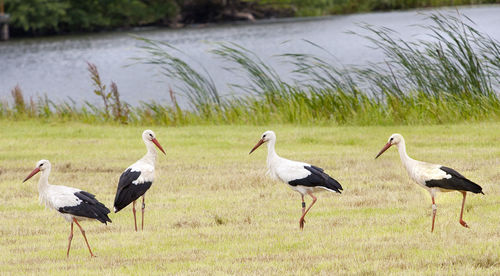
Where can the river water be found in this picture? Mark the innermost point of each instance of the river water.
(56, 66)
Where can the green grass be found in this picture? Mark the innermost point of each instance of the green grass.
(212, 209)
(451, 76)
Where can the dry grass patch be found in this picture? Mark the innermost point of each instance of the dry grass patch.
(212, 209)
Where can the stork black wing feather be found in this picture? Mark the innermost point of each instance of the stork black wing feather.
(89, 207)
(317, 178)
(127, 191)
(456, 182)
(317, 168)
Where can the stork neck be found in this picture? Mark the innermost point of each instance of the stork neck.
(151, 153)
(271, 153)
(43, 183)
(405, 159)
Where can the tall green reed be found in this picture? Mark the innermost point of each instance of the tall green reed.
(198, 87)
(452, 75)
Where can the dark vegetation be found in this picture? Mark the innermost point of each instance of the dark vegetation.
(450, 79)
(326, 7)
(41, 17)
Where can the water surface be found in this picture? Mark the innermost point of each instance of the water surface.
(56, 66)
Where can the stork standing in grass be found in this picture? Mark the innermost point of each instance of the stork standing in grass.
(73, 204)
(301, 177)
(432, 177)
(138, 178)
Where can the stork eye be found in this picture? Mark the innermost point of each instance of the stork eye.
(264, 136)
(391, 139)
(151, 135)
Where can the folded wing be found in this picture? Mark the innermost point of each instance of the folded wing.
(132, 185)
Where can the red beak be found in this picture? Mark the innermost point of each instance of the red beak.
(158, 145)
(35, 171)
(388, 145)
(257, 145)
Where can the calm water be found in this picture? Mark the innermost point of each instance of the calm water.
(56, 66)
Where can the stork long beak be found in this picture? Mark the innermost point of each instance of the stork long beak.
(257, 145)
(158, 145)
(388, 145)
(35, 171)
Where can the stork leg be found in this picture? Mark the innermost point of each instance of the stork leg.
(70, 238)
(133, 211)
(143, 207)
(301, 221)
(85, 237)
(303, 206)
(434, 210)
(464, 224)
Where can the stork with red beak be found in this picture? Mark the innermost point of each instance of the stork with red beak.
(432, 177)
(301, 177)
(73, 204)
(138, 178)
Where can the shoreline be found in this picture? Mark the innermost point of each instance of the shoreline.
(258, 21)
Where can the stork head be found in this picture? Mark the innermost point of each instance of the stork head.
(266, 137)
(41, 165)
(395, 139)
(149, 136)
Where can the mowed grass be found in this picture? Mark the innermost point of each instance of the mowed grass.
(212, 209)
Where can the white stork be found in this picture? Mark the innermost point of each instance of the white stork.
(73, 204)
(432, 177)
(137, 179)
(301, 177)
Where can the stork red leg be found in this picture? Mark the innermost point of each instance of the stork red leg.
(85, 237)
(464, 224)
(301, 221)
(434, 210)
(143, 207)
(133, 211)
(69, 240)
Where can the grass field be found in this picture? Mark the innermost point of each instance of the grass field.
(212, 209)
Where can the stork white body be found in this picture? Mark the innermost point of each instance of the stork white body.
(432, 177)
(301, 177)
(146, 166)
(286, 170)
(72, 204)
(56, 197)
(420, 172)
(138, 177)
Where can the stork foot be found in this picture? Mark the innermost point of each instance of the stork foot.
(464, 224)
(301, 223)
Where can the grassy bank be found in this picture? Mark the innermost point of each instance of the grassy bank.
(212, 209)
(450, 76)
